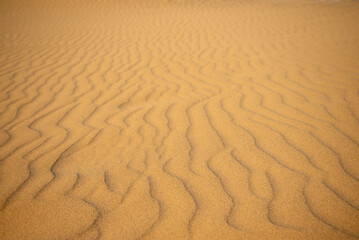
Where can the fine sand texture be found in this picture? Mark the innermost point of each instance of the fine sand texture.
(179, 119)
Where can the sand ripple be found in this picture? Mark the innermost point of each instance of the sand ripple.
(201, 119)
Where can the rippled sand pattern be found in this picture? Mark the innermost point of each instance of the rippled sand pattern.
(201, 119)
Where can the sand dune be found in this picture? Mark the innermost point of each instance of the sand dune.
(184, 119)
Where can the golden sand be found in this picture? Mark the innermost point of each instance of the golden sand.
(185, 119)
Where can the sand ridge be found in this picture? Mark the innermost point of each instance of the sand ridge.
(158, 119)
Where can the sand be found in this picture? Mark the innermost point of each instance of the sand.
(184, 119)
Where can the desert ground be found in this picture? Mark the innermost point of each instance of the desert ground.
(179, 119)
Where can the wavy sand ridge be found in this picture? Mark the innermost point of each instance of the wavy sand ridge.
(216, 119)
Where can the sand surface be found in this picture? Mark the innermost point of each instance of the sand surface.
(181, 119)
